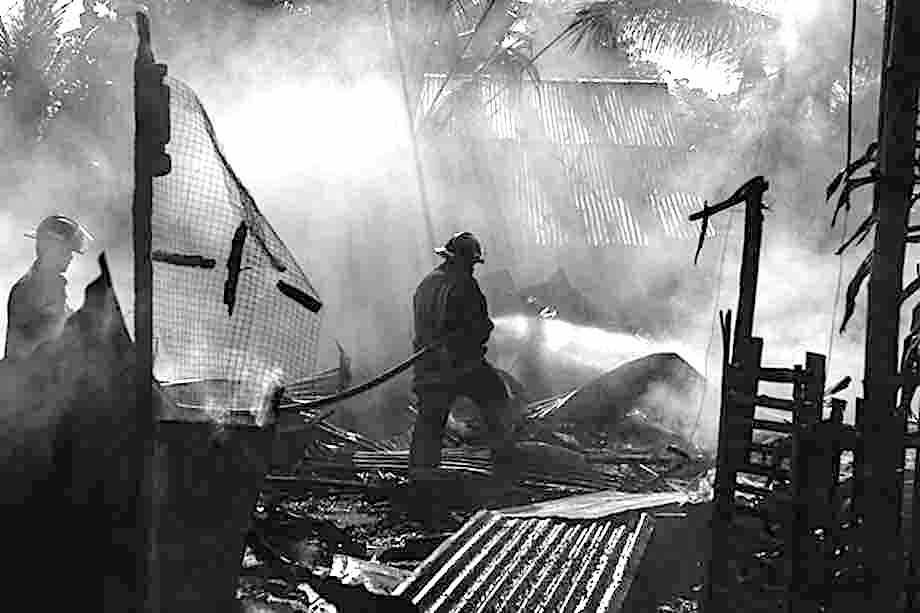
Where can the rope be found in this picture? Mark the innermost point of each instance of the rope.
(846, 211)
(712, 328)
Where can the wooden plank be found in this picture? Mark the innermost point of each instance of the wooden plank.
(763, 492)
(782, 375)
(769, 402)
(763, 470)
(762, 424)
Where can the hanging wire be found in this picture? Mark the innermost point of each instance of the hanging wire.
(846, 211)
(712, 329)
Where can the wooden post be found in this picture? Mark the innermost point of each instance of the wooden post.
(833, 536)
(809, 487)
(859, 476)
(151, 122)
(737, 382)
(883, 435)
(750, 262)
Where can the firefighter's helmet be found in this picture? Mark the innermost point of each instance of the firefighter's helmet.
(63, 229)
(462, 245)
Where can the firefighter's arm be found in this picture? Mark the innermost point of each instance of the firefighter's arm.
(31, 319)
(472, 313)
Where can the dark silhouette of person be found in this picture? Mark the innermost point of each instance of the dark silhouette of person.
(449, 303)
(37, 307)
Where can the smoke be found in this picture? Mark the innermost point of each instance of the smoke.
(311, 118)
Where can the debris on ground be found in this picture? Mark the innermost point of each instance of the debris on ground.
(345, 513)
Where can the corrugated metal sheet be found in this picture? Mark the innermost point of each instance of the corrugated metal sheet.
(475, 463)
(585, 161)
(597, 505)
(673, 210)
(499, 563)
(633, 113)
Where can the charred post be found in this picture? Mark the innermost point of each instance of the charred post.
(750, 259)
(151, 117)
(882, 428)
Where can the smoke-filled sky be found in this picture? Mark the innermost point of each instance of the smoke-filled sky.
(327, 159)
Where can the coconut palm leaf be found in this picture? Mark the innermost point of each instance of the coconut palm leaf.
(35, 59)
(512, 60)
(452, 104)
(703, 29)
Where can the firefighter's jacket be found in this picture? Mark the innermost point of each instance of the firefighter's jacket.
(448, 300)
(37, 311)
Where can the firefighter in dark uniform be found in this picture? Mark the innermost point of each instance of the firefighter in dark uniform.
(37, 309)
(449, 303)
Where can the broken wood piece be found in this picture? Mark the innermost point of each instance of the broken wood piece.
(376, 577)
(754, 185)
(753, 189)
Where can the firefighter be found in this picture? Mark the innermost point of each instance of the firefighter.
(449, 303)
(37, 307)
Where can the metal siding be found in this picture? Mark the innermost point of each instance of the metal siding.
(637, 114)
(586, 122)
(673, 209)
(498, 563)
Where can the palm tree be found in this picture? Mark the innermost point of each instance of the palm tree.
(473, 41)
(37, 69)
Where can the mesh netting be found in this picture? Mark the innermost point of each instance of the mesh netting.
(230, 303)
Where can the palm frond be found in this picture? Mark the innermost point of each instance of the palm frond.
(454, 106)
(34, 62)
(597, 25)
(5, 42)
(699, 28)
(512, 64)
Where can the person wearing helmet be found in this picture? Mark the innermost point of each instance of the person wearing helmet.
(449, 303)
(37, 307)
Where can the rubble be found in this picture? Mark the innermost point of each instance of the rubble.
(363, 491)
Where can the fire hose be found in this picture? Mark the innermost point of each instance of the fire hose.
(304, 405)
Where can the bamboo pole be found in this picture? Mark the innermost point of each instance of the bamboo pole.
(883, 427)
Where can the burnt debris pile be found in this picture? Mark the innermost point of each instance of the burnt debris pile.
(341, 510)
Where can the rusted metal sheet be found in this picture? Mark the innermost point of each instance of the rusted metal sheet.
(501, 563)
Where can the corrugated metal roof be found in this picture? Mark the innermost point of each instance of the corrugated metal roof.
(574, 161)
(636, 113)
(500, 563)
